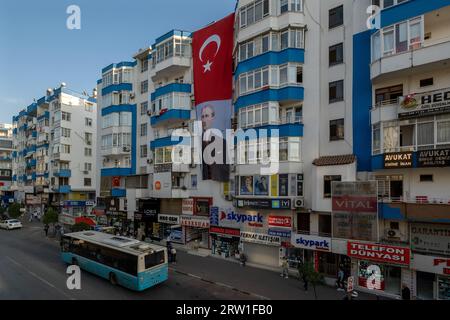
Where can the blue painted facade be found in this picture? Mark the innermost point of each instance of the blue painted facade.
(64, 173)
(170, 115)
(172, 87)
(270, 58)
(119, 65)
(362, 100)
(284, 130)
(113, 172)
(170, 34)
(167, 142)
(117, 87)
(120, 193)
(290, 93)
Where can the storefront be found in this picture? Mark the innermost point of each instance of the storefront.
(261, 248)
(146, 219)
(432, 277)
(196, 230)
(115, 217)
(224, 241)
(379, 268)
(170, 227)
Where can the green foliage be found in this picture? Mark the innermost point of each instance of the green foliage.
(82, 226)
(312, 276)
(14, 210)
(50, 217)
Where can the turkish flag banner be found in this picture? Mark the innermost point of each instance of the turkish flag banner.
(212, 52)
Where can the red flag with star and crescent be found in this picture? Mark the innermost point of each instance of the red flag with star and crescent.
(212, 52)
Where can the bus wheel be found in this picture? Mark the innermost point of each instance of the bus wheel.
(74, 261)
(113, 279)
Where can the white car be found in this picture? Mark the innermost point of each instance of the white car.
(10, 224)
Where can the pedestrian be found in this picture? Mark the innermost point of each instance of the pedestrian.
(46, 229)
(305, 282)
(406, 293)
(173, 251)
(284, 268)
(243, 259)
(340, 280)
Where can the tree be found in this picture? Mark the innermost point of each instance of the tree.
(312, 276)
(50, 216)
(14, 211)
(81, 226)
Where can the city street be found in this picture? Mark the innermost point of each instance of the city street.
(30, 268)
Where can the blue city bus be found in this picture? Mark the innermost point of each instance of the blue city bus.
(126, 262)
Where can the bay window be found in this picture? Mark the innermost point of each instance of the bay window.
(253, 13)
(163, 155)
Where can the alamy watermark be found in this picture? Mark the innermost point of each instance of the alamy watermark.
(73, 21)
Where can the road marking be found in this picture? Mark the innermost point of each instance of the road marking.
(39, 278)
(220, 284)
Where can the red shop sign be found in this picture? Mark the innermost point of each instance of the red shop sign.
(379, 253)
(225, 231)
(280, 221)
(354, 203)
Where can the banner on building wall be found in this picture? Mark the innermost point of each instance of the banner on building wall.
(212, 52)
(430, 238)
(424, 104)
(355, 210)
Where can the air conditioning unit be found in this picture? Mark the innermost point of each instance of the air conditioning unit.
(126, 149)
(392, 234)
(132, 95)
(149, 113)
(150, 161)
(299, 203)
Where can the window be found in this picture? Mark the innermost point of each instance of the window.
(65, 148)
(144, 108)
(88, 152)
(426, 82)
(284, 6)
(88, 122)
(143, 130)
(337, 129)
(327, 182)
(144, 151)
(283, 185)
(65, 132)
(336, 91)
(88, 138)
(87, 182)
(336, 17)
(66, 116)
(87, 166)
(144, 86)
(194, 181)
(336, 54)
(144, 65)
(426, 178)
(253, 12)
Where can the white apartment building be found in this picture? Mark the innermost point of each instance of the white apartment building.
(55, 146)
(6, 154)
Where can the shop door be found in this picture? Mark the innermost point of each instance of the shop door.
(392, 280)
(262, 254)
(425, 285)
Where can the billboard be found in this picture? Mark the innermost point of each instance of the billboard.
(212, 49)
(430, 238)
(355, 210)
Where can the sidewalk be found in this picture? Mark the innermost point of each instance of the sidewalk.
(259, 283)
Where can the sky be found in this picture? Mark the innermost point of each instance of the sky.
(38, 51)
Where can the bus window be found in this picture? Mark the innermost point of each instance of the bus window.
(65, 244)
(154, 259)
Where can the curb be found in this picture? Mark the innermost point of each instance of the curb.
(219, 284)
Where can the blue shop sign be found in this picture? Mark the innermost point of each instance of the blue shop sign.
(279, 233)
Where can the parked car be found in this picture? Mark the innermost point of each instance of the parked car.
(10, 224)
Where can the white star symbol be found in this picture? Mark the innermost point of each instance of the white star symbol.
(207, 66)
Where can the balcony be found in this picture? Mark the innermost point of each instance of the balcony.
(116, 151)
(63, 189)
(385, 111)
(180, 192)
(430, 49)
(420, 208)
(63, 173)
(170, 117)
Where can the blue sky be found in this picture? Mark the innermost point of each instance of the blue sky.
(37, 51)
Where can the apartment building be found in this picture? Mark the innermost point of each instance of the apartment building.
(6, 154)
(54, 163)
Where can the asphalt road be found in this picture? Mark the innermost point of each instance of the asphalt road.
(31, 268)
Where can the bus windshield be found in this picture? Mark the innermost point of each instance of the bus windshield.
(154, 259)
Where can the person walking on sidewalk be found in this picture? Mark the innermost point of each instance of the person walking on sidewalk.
(305, 282)
(173, 252)
(46, 229)
(285, 268)
(243, 259)
(340, 280)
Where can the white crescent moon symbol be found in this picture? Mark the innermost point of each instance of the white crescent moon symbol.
(214, 38)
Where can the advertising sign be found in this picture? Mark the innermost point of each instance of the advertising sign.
(355, 210)
(424, 104)
(434, 158)
(279, 233)
(230, 218)
(350, 283)
(169, 219)
(398, 160)
(431, 264)
(379, 252)
(280, 221)
(311, 242)
(260, 238)
(430, 238)
(193, 221)
(187, 206)
(225, 231)
(32, 199)
(265, 203)
(162, 184)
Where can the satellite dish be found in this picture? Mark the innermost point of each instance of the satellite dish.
(63, 84)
